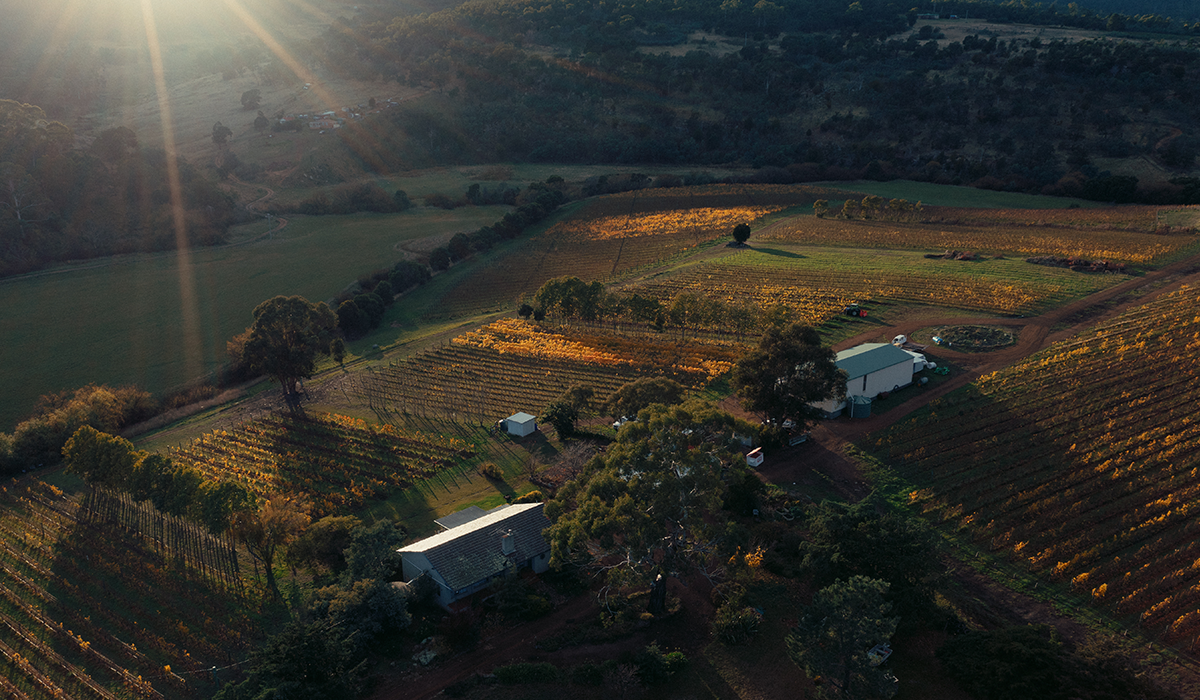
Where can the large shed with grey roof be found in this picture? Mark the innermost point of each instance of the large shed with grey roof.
(871, 368)
(474, 551)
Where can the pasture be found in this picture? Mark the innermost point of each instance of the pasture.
(123, 320)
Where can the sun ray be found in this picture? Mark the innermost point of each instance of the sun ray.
(187, 283)
(331, 101)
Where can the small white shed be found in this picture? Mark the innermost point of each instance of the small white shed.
(520, 424)
(755, 458)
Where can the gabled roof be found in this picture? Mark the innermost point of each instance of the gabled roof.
(474, 551)
(870, 357)
(461, 517)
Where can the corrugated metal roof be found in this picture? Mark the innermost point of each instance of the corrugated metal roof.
(462, 517)
(521, 417)
(474, 551)
(870, 357)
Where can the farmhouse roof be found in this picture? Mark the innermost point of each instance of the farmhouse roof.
(521, 417)
(474, 551)
(870, 357)
(461, 517)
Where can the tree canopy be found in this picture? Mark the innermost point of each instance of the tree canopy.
(570, 298)
(867, 539)
(647, 501)
(640, 393)
(834, 634)
(287, 336)
(277, 521)
(786, 373)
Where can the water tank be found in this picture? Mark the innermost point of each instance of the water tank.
(860, 407)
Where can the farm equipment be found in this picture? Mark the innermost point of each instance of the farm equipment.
(854, 310)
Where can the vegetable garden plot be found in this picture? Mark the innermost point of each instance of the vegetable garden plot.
(337, 462)
(514, 365)
(1083, 462)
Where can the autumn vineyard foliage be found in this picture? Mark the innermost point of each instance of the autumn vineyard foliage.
(338, 463)
(610, 237)
(513, 365)
(1081, 463)
(90, 609)
(1126, 234)
(816, 285)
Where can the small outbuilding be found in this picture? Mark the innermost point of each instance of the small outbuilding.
(755, 458)
(478, 549)
(520, 424)
(871, 369)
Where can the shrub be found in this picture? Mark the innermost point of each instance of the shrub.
(654, 667)
(531, 497)
(516, 599)
(491, 471)
(729, 593)
(526, 672)
(733, 625)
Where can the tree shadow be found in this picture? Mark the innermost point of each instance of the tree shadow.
(780, 253)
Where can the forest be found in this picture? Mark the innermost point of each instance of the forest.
(812, 91)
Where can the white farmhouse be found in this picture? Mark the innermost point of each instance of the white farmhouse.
(871, 369)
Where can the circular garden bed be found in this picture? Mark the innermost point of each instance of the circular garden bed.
(974, 338)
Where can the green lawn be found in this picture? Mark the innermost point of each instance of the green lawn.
(123, 322)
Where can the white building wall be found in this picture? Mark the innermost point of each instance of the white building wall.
(889, 378)
(886, 379)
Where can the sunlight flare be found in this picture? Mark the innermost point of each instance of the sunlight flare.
(187, 282)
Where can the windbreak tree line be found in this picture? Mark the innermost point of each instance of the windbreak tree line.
(569, 300)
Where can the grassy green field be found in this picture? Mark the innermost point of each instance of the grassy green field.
(122, 321)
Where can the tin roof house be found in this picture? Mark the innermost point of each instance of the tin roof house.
(871, 368)
(479, 547)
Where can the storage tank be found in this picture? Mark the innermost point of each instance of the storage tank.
(860, 407)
